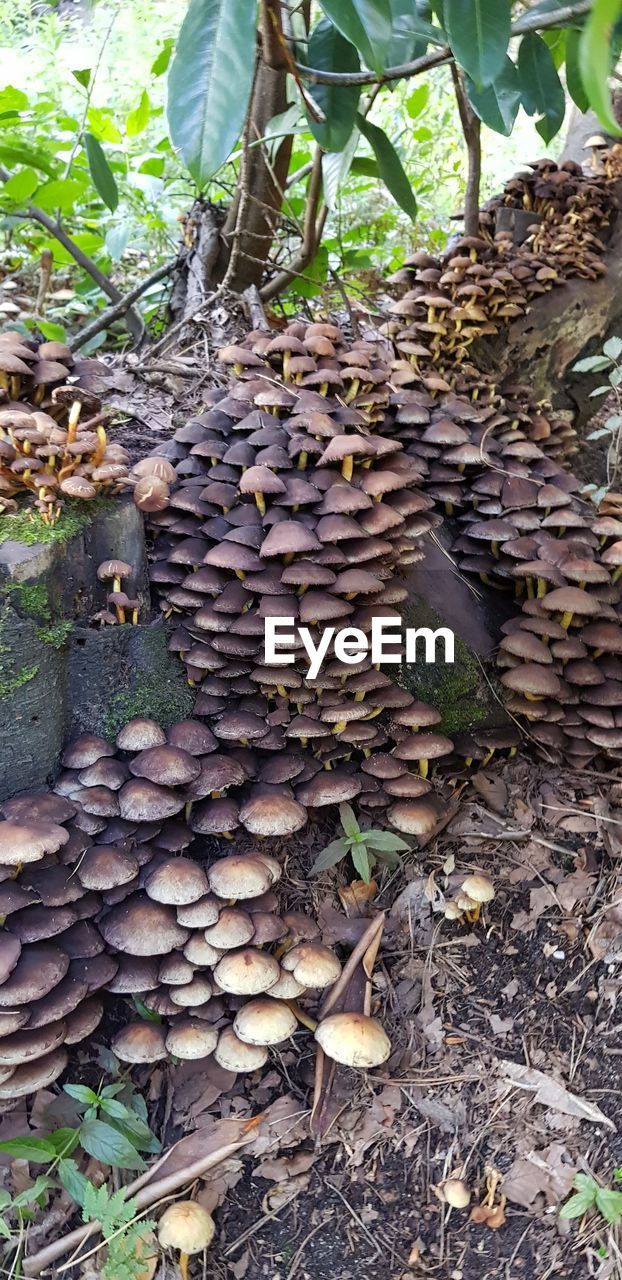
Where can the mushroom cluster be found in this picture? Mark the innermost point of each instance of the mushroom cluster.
(485, 282)
(120, 608)
(106, 886)
(292, 502)
(52, 956)
(57, 452)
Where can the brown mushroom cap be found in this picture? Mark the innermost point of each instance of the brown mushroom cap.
(353, 1039)
(39, 968)
(139, 735)
(32, 1076)
(23, 1046)
(85, 750)
(191, 1038)
(235, 1055)
(272, 815)
(166, 765)
(239, 876)
(141, 927)
(143, 801)
(312, 964)
(247, 972)
(177, 882)
(140, 1042)
(104, 866)
(416, 817)
(264, 1022)
(186, 1226)
(532, 678)
(22, 842)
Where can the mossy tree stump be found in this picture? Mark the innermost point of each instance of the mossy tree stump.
(59, 674)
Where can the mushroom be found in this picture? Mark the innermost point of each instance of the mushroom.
(188, 1228)
(353, 1039)
(479, 889)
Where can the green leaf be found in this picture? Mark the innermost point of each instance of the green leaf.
(5, 1198)
(330, 856)
(83, 77)
(101, 173)
(20, 186)
(366, 166)
(130, 1125)
(108, 1145)
(390, 166)
(160, 64)
(5, 1230)
(328, 51)
(52, 332)
(138, 119)
(578, 1204)
(574, 83)
(102, 125)
(74, 1182)
(497, 105)
(210, 81)
(39, 1150)
(336, 166)
(60, 193)
(81, 1093)
(417, 101)
(595, 60)
(591, 363)
(362, 862)
(367, 24)
(411, 34)
(613, 347)
(541, 87)
(12, 99)
(347, 817)
(479, 34)
(30, 1194)
(18, 152)
(386, 842)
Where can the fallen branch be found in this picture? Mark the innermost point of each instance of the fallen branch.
(146, 1196)
(113, 313)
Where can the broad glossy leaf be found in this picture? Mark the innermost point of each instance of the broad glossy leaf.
(411, 33)
(83, 77)
(101, 173)
(60, 193)
(479, 34)
(574, 83)
(105, 1143)
(497, 105)
(329, 51)
(541, 88)
(335, 168)
(595, 59)
(209, 82)
(39, 1150)
(390, 166)
(367, 24)
(330, 856)
(14, 151)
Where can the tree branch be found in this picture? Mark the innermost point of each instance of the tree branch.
(528, 22)
(33, 213)
(113, 313)
(312, 234)
(472, 130)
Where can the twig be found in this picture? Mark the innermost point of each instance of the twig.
(312, 234)
(253, 305)
(527, 22)
(112, 313)
(472, 130)
(147, 1195)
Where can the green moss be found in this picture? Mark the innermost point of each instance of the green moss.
(26, 526)
(10, 684)
(30, 597)
(160, 692)
(56, 635)
(455, 690)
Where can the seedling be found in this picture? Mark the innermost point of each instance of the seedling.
(366, 848)
(609, 363)
(588, 1194)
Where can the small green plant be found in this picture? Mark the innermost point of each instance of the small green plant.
(366, 848)
(588, 1194)
(112, 1127)
(609, 362)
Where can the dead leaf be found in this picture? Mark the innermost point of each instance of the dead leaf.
(500, 1026)
(550, 1093)
(493, 790)
(286, 1166)
(548, 1172)
(356, 897)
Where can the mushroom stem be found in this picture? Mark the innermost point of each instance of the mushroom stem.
(423, 768)
(72, 425)
(347, 467)
(302, 461)
(304, 1018)
(261, 506)
(566, 619)
(183, 1265)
